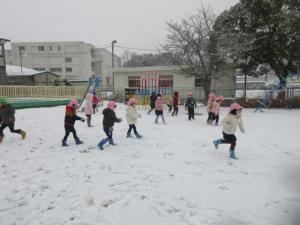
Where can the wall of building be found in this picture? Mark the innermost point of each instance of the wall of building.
(42, 79)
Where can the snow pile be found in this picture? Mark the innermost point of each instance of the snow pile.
(171, 176)
(12, 70)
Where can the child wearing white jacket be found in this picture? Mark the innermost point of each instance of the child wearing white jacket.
(230, 124)
(132, 115)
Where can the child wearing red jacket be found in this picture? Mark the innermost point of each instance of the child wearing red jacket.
(175, 103)
(70, 119)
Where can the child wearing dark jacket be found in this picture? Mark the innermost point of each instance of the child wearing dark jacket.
(7, 119)
(153, 98)
(70, 119)
(190, 105)
(109, 119)
(175, 104)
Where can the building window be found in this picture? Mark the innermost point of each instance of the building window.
(93, 66)
(198, 82)
(56, 70)
(165, 84)
(59, 48)
(92, 52)
(41, 48)
(68, 60)
(39, 68)
(50, 48)
(69, 70)
(134, 81)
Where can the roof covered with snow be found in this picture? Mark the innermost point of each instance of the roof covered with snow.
(12, 70)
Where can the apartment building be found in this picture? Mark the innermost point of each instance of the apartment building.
(75, 61)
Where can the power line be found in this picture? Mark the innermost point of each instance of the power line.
(139, 49)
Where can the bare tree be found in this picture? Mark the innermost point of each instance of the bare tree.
(194, 46)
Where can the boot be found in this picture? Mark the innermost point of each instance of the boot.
(128, 135)
(64, 144)
(232, 154)
(78, 142)
(138, 136)
(111, 141)
(23, 134)
(217, 142)
(89, 121)
(1, 139)
(101, 143)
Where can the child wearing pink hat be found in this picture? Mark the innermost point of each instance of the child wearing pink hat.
(70, 119)
(209, 107)
(109, 119)
(190, 105)
(215, 110)
(132, 116)
(159, 108)
(230, 124)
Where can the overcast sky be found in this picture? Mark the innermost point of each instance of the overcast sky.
(133, 23)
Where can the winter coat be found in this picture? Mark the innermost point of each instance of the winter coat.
(215, 107)
(131, 115)
(209, 106)
(153, 98)
(159, 104)
(175, 100)
(231, 122)
(7, 114)
(70, 116)
(109, 118)
(89, 104)
(95, 100)
(190, 102)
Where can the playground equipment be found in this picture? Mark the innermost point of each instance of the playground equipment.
(94, 84)
(141, 87)
(287, 85)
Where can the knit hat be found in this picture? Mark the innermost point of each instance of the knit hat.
(3, 101)
(235, 106)
(131, 101)
(73, 102)
(190, 93)
(111, 105)
(211, 96)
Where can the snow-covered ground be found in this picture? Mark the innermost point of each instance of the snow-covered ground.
(172, 176)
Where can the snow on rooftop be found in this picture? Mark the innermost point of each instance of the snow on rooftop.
(13, 70)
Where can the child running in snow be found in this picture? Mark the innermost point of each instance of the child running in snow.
(170, 104)
(7, 119)
(159, 108)
(70, 119)
(190, 105)
(209, 107)
(216, 109)
(230, 124)
(153, 98)
(175, 103)
(89, 108)
(109, 119)
(95, 102)
(132, 116)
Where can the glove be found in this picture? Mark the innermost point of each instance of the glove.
(82, 120)
(110, 129)
(119, 120)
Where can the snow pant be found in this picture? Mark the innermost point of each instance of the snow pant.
(159, 113)
(216, 118)
(88, 120)
(68, 130)
(175, 110)
(109, 132)
(11, 127)
(229, 139)
(210, 116)
(191, 112)
(94, 107)
(132, 126)
(170, 107)
(152, 107)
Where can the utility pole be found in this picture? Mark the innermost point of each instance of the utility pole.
(113, 63)
(21, 48)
